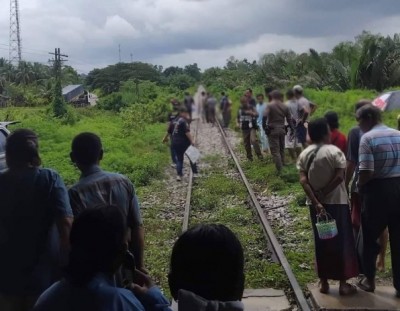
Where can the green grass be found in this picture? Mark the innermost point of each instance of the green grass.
(139, 155)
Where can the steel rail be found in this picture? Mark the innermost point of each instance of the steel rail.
(273, 241)
(186, 215)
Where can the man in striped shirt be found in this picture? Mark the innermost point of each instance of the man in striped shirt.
(379, 180)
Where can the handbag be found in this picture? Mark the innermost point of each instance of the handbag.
(326, 227)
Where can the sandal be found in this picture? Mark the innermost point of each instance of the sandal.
(365, 285)
(323, 288)
(347, 290)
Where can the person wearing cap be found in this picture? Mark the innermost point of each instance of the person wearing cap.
(337, 138)
(306, 109)
(181, 141)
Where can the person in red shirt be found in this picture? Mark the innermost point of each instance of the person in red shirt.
(337, 138)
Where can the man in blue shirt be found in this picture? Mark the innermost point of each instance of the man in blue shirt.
(34, 204)
(97, 187)
(98, 249)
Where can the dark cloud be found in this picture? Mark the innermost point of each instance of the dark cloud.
(162, 29)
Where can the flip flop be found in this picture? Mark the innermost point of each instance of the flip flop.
(366, 288)
(348, 290)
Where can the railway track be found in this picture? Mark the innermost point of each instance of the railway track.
(274, 246)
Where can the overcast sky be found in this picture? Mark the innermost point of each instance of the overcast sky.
(180, 32)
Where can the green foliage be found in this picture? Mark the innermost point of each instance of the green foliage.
(139, 155)
(59, 106)
(112, 102)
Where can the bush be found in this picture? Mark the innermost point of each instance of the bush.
(112, 102)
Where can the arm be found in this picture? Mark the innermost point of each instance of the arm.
(364, 177)
(64, 225)
(189, 136)
(309, 192)
(350, 168)
(137, 246)
(336, 181)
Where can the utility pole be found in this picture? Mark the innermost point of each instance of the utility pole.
(131, 58)
(15, 34)
(119, 52)
(59, 107)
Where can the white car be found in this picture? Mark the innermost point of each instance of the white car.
(4, 132)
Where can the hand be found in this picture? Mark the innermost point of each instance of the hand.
(165, 140)
(320, 209)
(144, 270)
(319, 194)
(142, 283)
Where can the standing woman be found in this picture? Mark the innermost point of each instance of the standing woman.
(34, 202)
(322, 168)
(181, 141)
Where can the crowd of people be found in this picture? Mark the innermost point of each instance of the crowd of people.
(82, 248)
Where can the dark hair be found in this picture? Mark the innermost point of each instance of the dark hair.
(369, 112)
(298, 92)
(362, 103)
(97, 238)
(87, 148)
(318, 129)
(22, 148)
(223, 93)
(277, 95)
(208, 261)
(182, 109)
(290, 94)
(333, 119)
(249, 90)
(260, 95)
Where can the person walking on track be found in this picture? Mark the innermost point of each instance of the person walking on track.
(96, 187)
(168, 136)
(379, 182)
(188, 101)
(211, 108)
(247, 122)
(34, 206)
(226, 110)
(274, 125)
(203, 105)
(322, 168)
(181, 141)
(261, 107)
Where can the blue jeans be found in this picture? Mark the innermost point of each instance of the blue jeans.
(180, 156)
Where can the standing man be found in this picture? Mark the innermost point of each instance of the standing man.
(379, 180)
(306, 109)
(226, 111)
(168, 136)
(181, 141)
(247, 122)
(274, 124)
(353, 146)
(337, 138)
(291, 141)
(203, 107)
(34, 204)
(211, 108)
(97, 187)
(188, 102)
(261, 107)
(250, 98)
